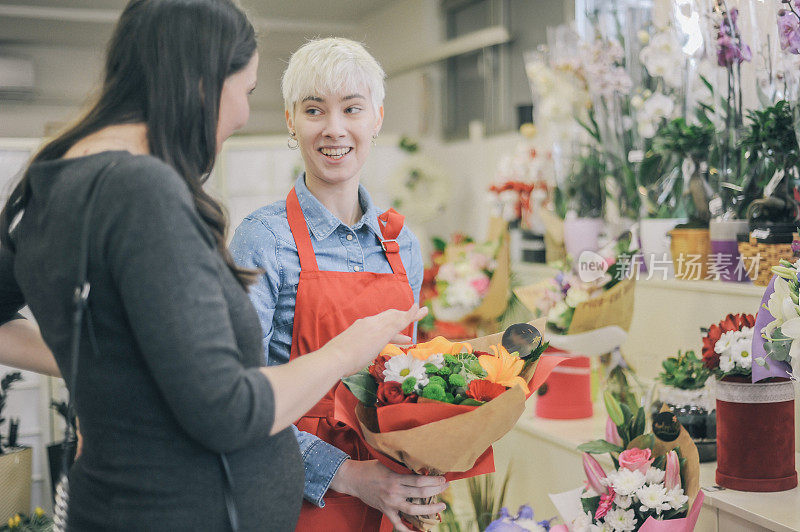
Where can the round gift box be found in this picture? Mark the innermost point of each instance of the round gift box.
(566, 394)
(755, 436)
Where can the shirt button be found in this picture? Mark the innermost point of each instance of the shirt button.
(357, 268)
(349, 236)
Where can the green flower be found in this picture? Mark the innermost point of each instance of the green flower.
(409, 385)
(438, 381)
(458, 381)
(431, 369)
(434, 391)
(449, 398)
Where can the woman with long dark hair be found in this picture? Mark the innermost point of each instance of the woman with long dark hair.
(183, 429)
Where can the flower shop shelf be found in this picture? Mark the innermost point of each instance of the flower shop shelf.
(543, 458)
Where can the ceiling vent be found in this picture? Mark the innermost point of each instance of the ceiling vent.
(16, 78)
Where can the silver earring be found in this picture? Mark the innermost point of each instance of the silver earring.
(373, 139)
(292, 137)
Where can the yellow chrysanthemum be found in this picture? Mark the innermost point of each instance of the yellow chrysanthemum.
(38, 511)
(502, 368)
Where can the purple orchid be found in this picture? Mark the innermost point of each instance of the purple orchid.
(522, 522)
(789, 31)
(731, 50)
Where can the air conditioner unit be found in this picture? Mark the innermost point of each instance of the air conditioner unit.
(16, 78)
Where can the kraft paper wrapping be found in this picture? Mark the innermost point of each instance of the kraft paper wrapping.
(691, 470)
(613, 307)
(15, 482)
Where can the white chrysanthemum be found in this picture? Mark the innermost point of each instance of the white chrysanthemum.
(723, 345)
(624, 481)
(600, 527)
(582, 523)
(726, 363)
(652, 497)
(401, 367)
(740, 352)
(621, 520)
(676, 498)
(654, 475)
(622, 501)
(435, 359)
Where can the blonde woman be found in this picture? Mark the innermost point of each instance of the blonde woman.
(330, 256)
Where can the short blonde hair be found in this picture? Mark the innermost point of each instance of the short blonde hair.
(331, 66)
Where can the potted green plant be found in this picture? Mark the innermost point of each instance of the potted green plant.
(580, 202)
(15, 460)
(684, 389)
(38, 521)
(691, 144)
(56, 450)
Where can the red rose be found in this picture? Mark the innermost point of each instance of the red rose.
(391, 393)
(377, 367)
(483, 390)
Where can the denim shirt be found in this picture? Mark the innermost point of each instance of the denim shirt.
(264, 240)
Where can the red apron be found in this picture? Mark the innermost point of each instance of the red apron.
(327, 303)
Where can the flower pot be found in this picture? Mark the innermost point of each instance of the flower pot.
(690, 251)
(566, 394)
(55, 453)
(581, 234)
(755, 436)
(695, 410)
(655, 245)
(725, 249)
(15, 482)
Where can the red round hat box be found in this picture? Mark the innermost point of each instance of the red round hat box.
(755, 436)
(566, 394)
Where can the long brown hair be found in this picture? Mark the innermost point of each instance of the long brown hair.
(165, 67)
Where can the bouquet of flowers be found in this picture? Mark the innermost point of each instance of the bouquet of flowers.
(727, 346)
(655, 477)
(778, 323)
(437, 407)
(463, 279)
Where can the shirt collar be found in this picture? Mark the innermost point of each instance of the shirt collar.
(323, 223)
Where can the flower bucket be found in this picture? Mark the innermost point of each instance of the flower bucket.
(566, 394)
(690, 253)
(15, 482)
(655, 243)
(755, 436)
(725, 248)
(581, 234)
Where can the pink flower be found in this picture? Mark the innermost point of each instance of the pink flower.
(606, 500)
(612, 434)
(594, 474)
(480, 284)
(672, 478)
(636, 460)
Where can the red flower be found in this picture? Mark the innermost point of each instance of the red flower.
(483, 390)
(606, 500)
(377, 367)
(391, 393)
(732, 322)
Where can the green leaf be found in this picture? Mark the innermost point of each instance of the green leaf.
(469, 401)
(590, 504)
(626, 413)
(638, 423)
(363, 386)
(599, 447)
(613, 408)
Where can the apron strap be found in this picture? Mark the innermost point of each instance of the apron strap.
(391, 223)
(299, 228)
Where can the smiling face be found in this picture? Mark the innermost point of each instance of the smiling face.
(234, 104)
(334, 132)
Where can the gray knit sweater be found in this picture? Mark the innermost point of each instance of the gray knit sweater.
(175, 381)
